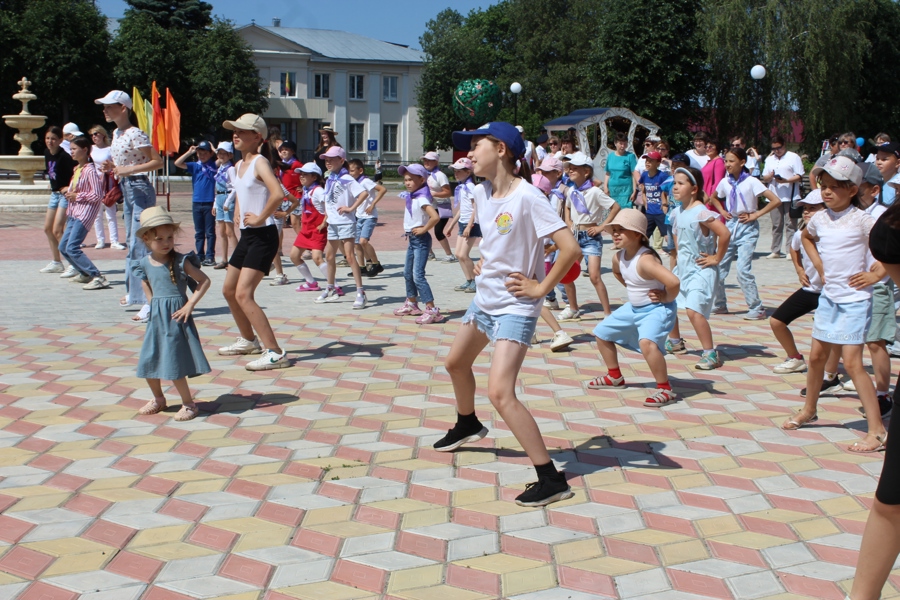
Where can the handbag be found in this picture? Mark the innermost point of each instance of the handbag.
(113, 194)
(796, 210)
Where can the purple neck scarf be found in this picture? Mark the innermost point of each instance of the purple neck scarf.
(577, 197)
(457, 193)
(222, 173)
(332, 179)
(422, 192)
(558, 190)
(307, 198)
(732, 198)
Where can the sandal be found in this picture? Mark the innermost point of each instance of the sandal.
(187, 412)
(123, 302)
(143, 315)
(156, 405)
(794, 423)
(859, 448)
(605, 382)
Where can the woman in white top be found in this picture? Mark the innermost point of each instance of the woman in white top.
(258, 195)
(511, 285)
(133, 157)
(102, 157)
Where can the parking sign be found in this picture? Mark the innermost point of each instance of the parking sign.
(373, 146)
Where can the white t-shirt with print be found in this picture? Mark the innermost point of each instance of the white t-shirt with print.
(416, 216)
(126, 147)
(787, 166)
(369, 186)
(512, 230)
(343, 193)
(596, 201)
(843, 245)
(815, 282)
(436, 183)
(747, 193)
(466, 198)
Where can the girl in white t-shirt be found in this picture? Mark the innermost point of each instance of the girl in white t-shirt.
(442, 197)
(837, 242)
(738, 193)
(642, 324)
(464, 216)
(366, 219)
(312, 236)
(511, 285)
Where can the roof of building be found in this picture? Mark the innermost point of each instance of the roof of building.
(343, 45)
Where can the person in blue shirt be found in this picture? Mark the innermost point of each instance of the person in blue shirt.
(203, 178)
(656, 202)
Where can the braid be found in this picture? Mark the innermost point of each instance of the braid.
(171, 264)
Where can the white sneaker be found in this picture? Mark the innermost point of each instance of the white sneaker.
(848, 385)
(100, 245)
(551, 304)
(98, 283)
(328, 295)
(775, 255)
(360, 302)
(280, 280)
(241, 346)
(269, 360)
(560, 341)
(449, 259)
(54, 267)
(69, 273)
(117, 246)
(80, 278)
(791, 365)
(534, 339)
(567, 314)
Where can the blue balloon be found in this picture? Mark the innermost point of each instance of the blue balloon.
(860, 142)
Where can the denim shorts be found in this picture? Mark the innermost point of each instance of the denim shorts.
(474, 233)
(590, 245)
(342, 232)
(221, 213)
(365, 228)
(513, 328)
(57, 200)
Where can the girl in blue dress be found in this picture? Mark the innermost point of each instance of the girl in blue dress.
(172, 348)
(702, 240)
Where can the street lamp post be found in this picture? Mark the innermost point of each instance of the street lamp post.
(757, 73)
(516, 89)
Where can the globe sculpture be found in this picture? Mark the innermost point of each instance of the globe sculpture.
(477, 101)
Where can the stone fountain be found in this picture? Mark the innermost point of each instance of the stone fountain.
(24, 192)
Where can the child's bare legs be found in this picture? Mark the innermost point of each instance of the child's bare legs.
(594, 272)
(185, 392)
(784, 336)
(701, 326)
(549, 319)
(609, 354)
(463, 248)
(852, 355)
(878, 551)
(818, 355)
(351, 260)
(159, 400)
(279, 271)
(238, 289)
(467, 345)
(881, 364)
(655, 360)
(330, 257)
(445, 244)
(572, 295)
(675, 334)
(52, 233)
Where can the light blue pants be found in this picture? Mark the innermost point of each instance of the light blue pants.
(137, 194)
(742, 246)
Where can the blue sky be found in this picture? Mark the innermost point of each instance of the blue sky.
(399, 21)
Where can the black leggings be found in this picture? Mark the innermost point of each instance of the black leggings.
(439, 229)
(800, 303)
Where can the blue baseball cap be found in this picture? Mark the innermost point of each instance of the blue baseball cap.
(501, 130)
(414, 169)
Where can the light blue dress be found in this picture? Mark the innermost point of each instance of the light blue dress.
(171, 349)
(698, 283)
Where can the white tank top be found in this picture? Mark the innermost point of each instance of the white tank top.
(637, 286)
(252, 194)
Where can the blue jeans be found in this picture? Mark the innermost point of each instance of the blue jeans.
(204, 230)
(137, 194)
(414, 271)
(742, 246)
(70, 247)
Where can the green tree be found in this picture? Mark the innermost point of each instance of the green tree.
(877, 108)
(179, 14)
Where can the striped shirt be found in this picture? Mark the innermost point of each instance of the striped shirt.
(89, 191)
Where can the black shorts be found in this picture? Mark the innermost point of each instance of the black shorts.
(888, 491)
(800, 303)
(256, 249)
(439, 229)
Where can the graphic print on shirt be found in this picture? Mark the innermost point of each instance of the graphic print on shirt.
(335, 193)
(504, 222)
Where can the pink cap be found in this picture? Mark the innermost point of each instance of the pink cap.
(334, 152)
(431, 156)
(653, 155)
(541, 183)
(463, 163)
(551, 163)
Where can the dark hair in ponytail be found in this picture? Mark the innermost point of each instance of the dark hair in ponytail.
(646, 244)
(85, 143)
(55, 130)
(740, 154)
(266, 151)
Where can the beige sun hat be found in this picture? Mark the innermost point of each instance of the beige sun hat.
(155, 216)
(631, 219)
(248, 122)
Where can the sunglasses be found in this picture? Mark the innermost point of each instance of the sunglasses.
(774, 149)
(554, 144)
(844, 142)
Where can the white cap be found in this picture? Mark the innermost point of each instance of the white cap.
(309, 167)
(431, 156)
(579, 159)
(72, 129)
(226, 146)
(115, 97)
(814, 197)
(520, 129)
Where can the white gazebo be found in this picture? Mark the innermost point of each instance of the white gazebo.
(583, 118)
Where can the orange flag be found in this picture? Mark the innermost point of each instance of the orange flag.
(158, 139)
(173, 124)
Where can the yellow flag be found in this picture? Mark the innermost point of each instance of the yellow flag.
(138, 102)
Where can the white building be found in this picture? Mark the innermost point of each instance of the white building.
(364, 88)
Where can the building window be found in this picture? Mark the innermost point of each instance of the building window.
(390, 88)
(389, 138)
(321, 87)
(357, 137)
(288, 84)
(357, 83)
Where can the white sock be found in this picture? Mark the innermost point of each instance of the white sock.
(829, 375)
(304, 272)
(324, 268)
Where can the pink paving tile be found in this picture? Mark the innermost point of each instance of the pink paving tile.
(814, 588)
(473, 579)
(135, 566)
(24, 562)
(667, 523)
(339, 492)
(427, 494)
(191, 449)
(377, 516)
(22, 427)
(631, 551)
(323, 437)
(478, 475)
(223, 420)
(211, 537)
(67, 482)
(110, 534)
(430, 455)
(473, 518)
(795, 504)
(701, 501)
(88, 505)
(157, 485)
(183, 510)
(95, 430)
(217, 467)
(356, 454)
(757, 525)
(250, 489)
(44, 591)
(114, 447)
(273, 452)
(701, 585)
(246, 435)
(359, 576)
(303, 470)
(420, 545)
(35, 445)
(614, 498)
(12, 530)
(244, 569)
(586, 581)
(277, 513)
(398, 475)
(170, 432)
(6, 501)
(851, 526)
(525, 548)
(814, 483)
(158, 593)
(745, 556)
(133, 465)
(49, 462)
(270, 595)
(841, 556)
(573, 522)
(317, 542)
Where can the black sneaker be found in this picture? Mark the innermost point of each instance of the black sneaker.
(458, 436)
(376, 269)
(885, 406)
(545, 491)
(208, 263)
(829, 386)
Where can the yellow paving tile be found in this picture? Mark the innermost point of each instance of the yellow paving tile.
(575, 551)
(29, 491)
(123, 495)
(816, 528)
(779, 515)
(39, 502)
(64, 546)
(391, 456)
(424, 518)
(326, 590)
(756, 541)
(686, 482)
(79, 563)
(275, 479)
(348, 529)
(718, 526)
(442, 592)
(414, 465)
(200, 487)
(174, 551)
(260, 469)
(683, 552)
(839, 506)
(403, 505)
(532, 580)
(246, 525)
(6, 578)
(652, 537)
(499, 508)
(415, 578)
(13, 457)
(473, 496)
(331, 462)
(193, 475)
(159, 535)
(604, 478)
(719, 463)
(799, 465)
(607, 565)
(334, 514)
(111, 483)
(263, 539)
(500, 563)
